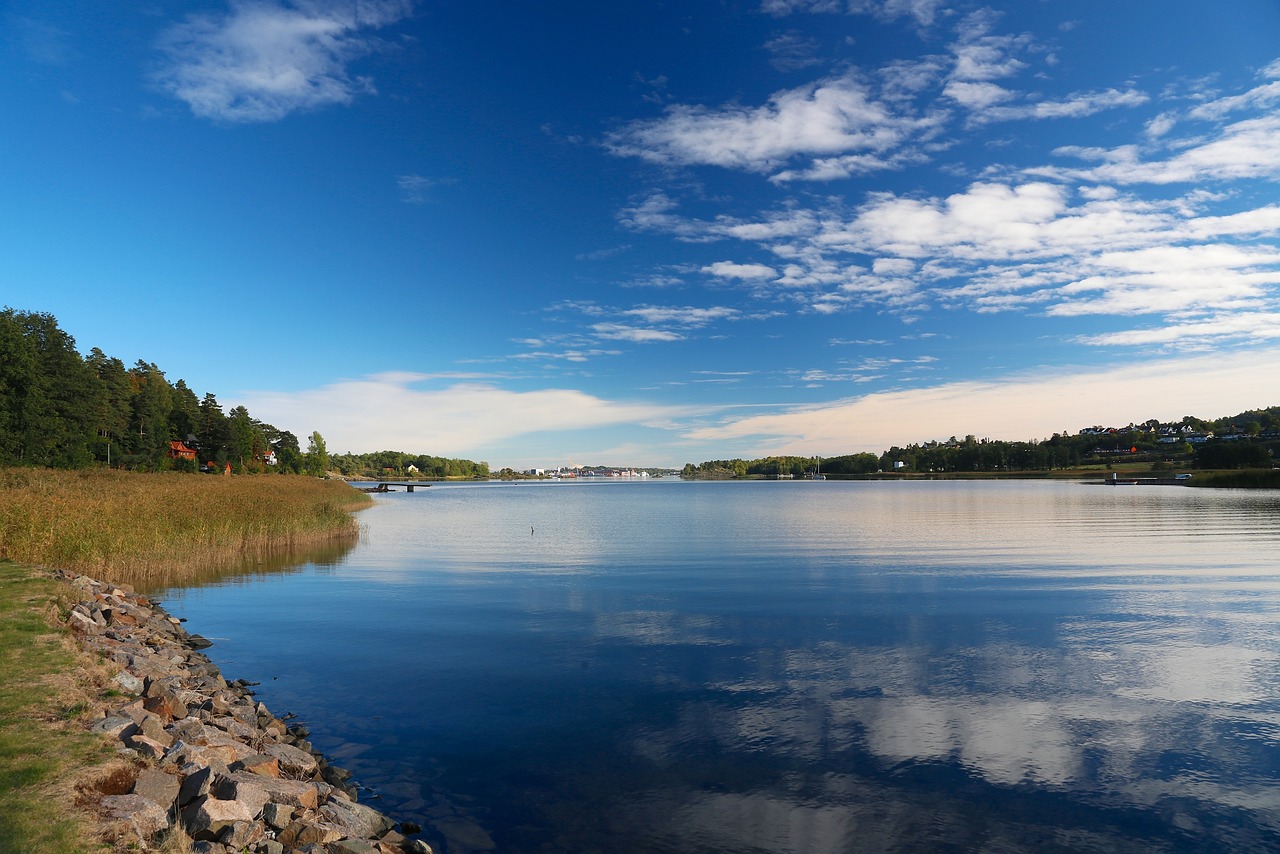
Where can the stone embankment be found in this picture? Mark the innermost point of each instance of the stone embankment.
(210, 761)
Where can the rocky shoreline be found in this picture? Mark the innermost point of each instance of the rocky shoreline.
(207, 759)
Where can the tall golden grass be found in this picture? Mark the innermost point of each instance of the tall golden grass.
(161, 528)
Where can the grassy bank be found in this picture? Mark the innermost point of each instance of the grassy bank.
(43, 751)
(141, 529)
(148, 529)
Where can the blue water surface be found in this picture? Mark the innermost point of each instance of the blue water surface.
(788, 666)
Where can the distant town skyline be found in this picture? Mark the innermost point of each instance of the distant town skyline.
(639, 234)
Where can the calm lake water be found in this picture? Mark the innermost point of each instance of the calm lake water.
(788, 666)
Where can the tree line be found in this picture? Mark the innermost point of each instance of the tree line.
(63, 410)
(1248, 440)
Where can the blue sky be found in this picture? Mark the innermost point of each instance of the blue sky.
(648, 233)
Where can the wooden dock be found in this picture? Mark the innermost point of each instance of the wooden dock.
(1116, 480)
(385, 486)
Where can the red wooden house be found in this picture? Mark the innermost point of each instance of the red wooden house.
(179, 451)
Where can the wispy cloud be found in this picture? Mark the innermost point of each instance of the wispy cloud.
(634, 334)
(263, 60)
(416, 189)
(392, 411)
(43, 43)
(924, 12)
(791, 51)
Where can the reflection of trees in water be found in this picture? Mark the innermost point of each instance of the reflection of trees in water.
(253, 565)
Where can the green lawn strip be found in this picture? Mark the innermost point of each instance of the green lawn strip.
(39, 753)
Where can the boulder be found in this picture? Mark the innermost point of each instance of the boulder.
(277, 816)
(240, 786)
(355, 819)
(292, 760)
(352, 846)
(197, 780)
(244, 834)
(301, 794)
(158, 787)
(261, 764)
(300, 833)
(144, 816)
(146, 746)
(128, 683)
(117, 726)
(207, 818)
(82, 624)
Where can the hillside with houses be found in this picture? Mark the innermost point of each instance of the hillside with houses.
(1247, 440)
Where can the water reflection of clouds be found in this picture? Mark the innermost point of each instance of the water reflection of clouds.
(660, 628)
(1142, 677)
(1127, 726)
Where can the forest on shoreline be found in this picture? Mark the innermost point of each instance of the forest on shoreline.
(1248, 440)
(59, 409)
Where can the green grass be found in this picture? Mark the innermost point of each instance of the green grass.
(139, 529)
(40, 753)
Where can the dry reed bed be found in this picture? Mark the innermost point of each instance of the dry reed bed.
(142, 529)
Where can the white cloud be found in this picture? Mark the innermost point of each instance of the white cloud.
(264, 60)
(1262, 97)
(1015, 247)
(836, 116)
(1260, 326)
(749, 272)
(387, 411)
(977, 96)
(924, 12)
(683, 315)
(1246, 149)
(634, 334)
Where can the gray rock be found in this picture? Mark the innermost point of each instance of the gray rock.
(277, 816)
(197, 780)
(352, 846)
(300, 834)
(301, 794)
(145, 816)
(244, 834)
(208, 818)
(158, 787)
(82, 624)
(243, 787)
(128, 683)
(148, 747)
(355, 819)
(203, 846)
(115, 725)
(292, 760)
